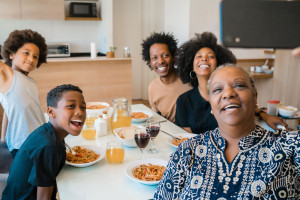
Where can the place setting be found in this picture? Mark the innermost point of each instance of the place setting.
(146, 170)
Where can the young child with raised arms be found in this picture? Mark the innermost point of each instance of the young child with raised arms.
(23, 51)
(43, 154)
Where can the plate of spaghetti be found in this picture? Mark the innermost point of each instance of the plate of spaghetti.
(86, 155)
(183, 136)
(148, 171)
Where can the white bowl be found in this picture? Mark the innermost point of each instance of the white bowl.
(287, 111)
(127, 142)
(96, 111)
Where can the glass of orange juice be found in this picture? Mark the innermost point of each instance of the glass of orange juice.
(88, 132)
(115, 152)
(90, 120)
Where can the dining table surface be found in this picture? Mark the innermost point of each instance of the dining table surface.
(104, 180)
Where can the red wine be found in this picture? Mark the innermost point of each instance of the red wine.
(152, 130)
(142, 139)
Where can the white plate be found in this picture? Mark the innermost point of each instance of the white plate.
(96, 149)
(127, 142)
(153, 161)
(143, 119)
(169, 139)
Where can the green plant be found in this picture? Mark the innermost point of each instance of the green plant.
(112, 49)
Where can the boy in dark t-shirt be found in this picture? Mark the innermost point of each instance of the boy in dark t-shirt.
(43, 154)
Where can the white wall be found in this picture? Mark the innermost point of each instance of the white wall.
(177, 19)
(127, 23)
(79, 33)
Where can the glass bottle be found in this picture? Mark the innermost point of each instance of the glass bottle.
(121, 115)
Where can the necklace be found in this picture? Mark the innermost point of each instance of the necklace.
(221, 159)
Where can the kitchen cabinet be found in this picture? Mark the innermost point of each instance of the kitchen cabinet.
(101, 79)
(32, 9)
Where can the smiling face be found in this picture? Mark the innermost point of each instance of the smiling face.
(232, 97)
(161, 59)
(69, 115)
(205, 62)
(26, 58)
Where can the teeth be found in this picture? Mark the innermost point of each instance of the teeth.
(161, 69)
(232, 106)
(76, 120)
(204, 66)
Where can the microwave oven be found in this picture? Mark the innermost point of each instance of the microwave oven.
(58, 50)
(78, 9)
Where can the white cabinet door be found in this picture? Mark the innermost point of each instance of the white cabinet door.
(10, 9)
(42, 9)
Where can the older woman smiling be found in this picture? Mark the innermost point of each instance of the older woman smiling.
(238, 160)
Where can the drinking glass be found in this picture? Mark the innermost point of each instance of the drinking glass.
(115, 152)
(152, 128)
(142, 139)
(88, 132)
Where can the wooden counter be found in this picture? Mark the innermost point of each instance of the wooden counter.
(101, 79)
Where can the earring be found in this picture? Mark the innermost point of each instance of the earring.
(192, 77)
(211, 112)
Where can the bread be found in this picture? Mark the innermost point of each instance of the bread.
(127, 132)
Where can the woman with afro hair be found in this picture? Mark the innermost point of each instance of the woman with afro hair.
(196, 60)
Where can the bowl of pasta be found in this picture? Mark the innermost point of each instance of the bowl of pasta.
(148, 171)
(96, 108)
(138, 116)
(126, 135)
(182, 136)
(86, 155)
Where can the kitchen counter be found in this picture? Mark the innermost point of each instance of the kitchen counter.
(101, 79)
(100, 58)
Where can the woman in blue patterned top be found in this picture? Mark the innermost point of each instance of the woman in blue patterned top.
(238, 160)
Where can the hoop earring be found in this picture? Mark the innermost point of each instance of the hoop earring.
(191, 74)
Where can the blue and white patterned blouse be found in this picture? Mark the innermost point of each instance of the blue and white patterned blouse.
(267, 167)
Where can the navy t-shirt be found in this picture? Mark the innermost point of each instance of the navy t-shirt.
(194, 112)
(37, 163)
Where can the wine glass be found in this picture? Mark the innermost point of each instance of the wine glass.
(142, 139)
(152, 127)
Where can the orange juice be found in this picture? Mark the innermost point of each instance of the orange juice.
(120, 120)
(115, 155)
(88, 133)
(90, 120)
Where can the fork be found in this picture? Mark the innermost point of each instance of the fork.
(70, 149)
(176, 138)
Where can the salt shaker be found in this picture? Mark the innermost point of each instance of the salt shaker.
(107, 118)
(101, 126)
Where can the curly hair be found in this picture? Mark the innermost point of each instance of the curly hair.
(17, 39)
(160, 38)
(55, 95)
(187, 51)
